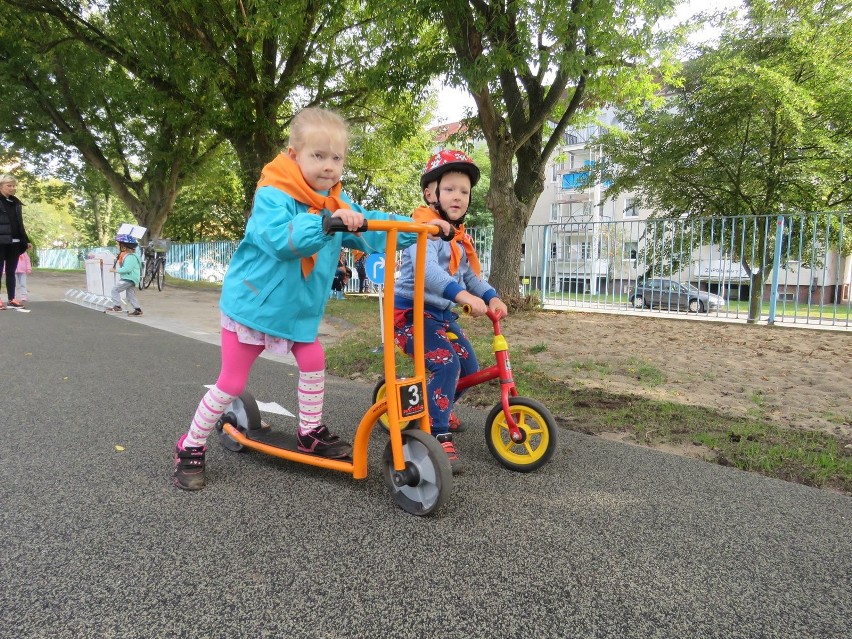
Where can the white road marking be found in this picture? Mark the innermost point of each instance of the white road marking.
(267, 407)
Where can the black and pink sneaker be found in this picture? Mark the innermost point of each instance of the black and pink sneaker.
(321, 442)
(189, 466)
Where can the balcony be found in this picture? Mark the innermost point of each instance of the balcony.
(571, 186)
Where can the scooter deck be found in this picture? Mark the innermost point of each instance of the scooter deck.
(284, 441)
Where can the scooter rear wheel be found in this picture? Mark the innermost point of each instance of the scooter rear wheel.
(425, 484)
(537, 426)
(380, 391)
(244, 415)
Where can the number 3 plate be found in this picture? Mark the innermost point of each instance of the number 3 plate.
(411, 399)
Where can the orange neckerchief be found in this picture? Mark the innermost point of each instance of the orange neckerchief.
(284, 174)
(122, 255)
(425, 215)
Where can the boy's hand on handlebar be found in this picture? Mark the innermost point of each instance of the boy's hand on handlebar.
(474, 305)
(497, 307)
(447, 229)
(352, 219)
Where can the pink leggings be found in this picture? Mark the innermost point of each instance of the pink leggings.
(238, 358)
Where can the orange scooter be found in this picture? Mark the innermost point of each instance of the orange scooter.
(520, 431)
(416, 468)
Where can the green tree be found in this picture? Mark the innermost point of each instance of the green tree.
(65, 102)
(532, 67)
(244, 68)
(46, 211)
(211, 204)
(758, 125)
(385, 159)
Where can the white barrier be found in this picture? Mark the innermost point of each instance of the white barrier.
(88, 300)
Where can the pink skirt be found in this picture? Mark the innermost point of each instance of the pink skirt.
(246, 335)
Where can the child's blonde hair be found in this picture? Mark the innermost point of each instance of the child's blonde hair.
(315, 118)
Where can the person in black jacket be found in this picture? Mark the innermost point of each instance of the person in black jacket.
(13, 236)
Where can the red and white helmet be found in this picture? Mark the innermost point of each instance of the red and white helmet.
(449, 160)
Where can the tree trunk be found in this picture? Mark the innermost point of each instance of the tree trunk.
(755, 298)
(510, 221)
(253, 153)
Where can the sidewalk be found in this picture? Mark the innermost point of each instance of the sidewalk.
(191, 312)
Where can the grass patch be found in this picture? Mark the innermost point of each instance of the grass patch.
(591, 366)
(648, 375)
(750, 443)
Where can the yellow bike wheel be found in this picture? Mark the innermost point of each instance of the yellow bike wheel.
(537, 426)
(379, 393)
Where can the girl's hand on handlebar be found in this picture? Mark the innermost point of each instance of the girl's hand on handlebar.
(352, 219)
(473, 305)
(497, 307)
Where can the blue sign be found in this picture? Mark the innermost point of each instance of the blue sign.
(376, 267)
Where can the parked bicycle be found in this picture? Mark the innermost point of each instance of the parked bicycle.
(154, 263)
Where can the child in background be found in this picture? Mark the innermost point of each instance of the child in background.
(25, 267)
(341, 278)
(361, 266)
(452, 277)
(129, 268)
(276, 288)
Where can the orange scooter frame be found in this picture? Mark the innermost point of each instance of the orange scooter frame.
(416, 468)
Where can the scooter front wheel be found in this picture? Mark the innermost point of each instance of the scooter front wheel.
(244, 415)
(538, 435)
(425, 484)
(380, 391)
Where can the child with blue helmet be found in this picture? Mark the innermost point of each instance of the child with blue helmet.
(128, 266)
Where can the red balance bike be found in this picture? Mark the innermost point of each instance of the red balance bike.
(519, 431)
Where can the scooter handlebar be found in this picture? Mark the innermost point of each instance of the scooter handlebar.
(336, 225)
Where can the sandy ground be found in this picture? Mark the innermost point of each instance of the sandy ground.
(795, 377)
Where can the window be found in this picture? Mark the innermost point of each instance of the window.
(553, 175)
(553, 251)
(631, 208)
(554, 212)
(630, 251)
(585, 250)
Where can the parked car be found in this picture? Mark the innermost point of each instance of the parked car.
(674, 295)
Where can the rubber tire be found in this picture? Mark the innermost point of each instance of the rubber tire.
(534, 419)
(161, 275)
(435, 477)
(379, 393)
(696, 306)
(244, 415)
(148, 276)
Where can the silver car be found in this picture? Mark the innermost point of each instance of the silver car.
(674, 296)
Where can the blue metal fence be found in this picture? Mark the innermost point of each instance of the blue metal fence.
(799, 266)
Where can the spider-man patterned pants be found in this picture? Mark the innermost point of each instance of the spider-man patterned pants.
(446, 360)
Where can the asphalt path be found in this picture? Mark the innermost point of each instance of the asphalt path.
(607, 540)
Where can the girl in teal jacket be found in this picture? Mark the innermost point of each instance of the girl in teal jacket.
(276, 287)
(129, 269)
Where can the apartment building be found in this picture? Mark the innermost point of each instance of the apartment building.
(580, 241)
